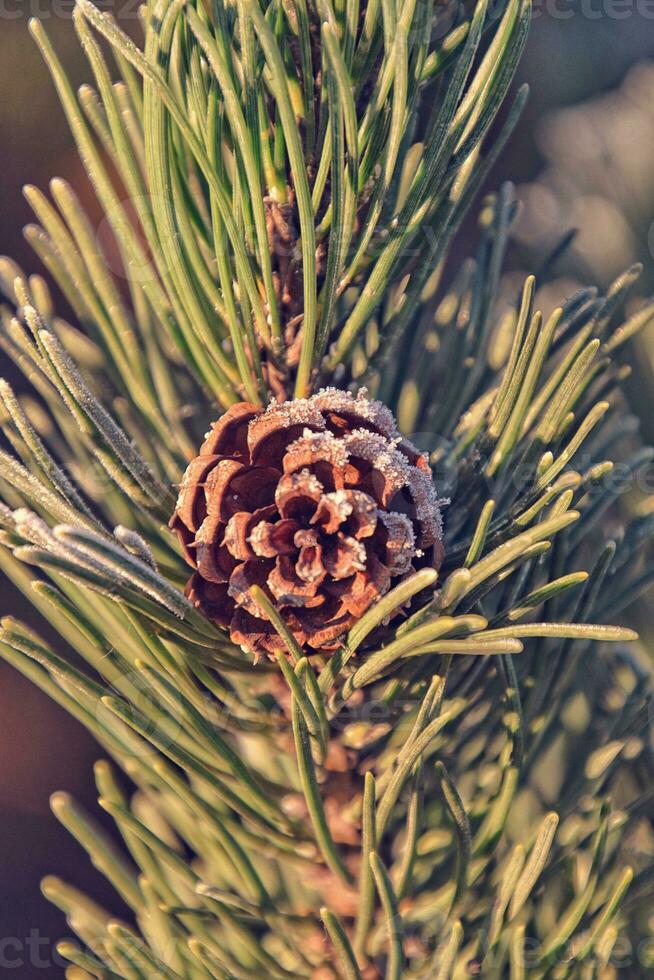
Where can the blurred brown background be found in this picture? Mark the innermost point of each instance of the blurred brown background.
(577, 51)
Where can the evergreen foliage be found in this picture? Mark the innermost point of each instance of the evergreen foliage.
(467, 792)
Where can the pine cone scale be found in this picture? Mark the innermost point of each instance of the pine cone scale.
(212, 559)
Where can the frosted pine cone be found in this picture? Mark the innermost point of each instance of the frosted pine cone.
(319, 502)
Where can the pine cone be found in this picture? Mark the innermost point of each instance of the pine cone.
(319, 502)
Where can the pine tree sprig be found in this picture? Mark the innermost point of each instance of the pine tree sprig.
(282, 184)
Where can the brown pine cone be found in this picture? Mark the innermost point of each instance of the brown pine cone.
(319, 502)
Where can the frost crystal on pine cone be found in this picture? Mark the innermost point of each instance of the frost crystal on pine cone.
(318, 501)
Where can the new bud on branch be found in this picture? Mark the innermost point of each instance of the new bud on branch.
(319, 502)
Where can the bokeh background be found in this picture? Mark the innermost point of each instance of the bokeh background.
(583, 156)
